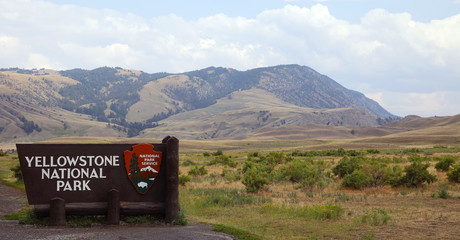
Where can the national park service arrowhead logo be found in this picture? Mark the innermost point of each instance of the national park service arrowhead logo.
(142, 166)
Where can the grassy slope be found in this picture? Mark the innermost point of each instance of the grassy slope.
(245, 112)
(153, 100)
(23, 94)
(445, 132)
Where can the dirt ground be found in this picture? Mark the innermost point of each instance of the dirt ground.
(12, 199)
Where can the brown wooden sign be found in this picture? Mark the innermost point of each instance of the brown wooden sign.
(85, 173)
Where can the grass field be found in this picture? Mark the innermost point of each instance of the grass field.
(215, 191)
(6, 175)
(283, 210)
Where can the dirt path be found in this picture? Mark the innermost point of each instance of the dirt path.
(12, 230)
(12, 199)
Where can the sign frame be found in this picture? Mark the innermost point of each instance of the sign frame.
(82, 175)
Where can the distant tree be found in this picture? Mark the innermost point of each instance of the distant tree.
(29, 126)
(133, 167)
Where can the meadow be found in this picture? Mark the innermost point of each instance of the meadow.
(407, 193)
(303, 194)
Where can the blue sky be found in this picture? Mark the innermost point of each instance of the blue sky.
(403, 54)
(350, 10)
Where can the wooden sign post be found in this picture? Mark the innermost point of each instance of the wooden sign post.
(112, 179)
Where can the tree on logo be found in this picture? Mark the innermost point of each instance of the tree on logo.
(133, 167)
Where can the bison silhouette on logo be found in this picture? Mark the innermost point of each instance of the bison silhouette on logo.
(142, 166)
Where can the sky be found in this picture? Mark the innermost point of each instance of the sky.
(404, 54)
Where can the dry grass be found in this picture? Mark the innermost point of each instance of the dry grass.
(413, 213)
(7, 162)
(153, 100)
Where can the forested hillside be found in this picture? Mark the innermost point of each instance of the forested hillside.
(126, 102)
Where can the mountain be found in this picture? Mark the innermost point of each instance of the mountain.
(294, 84)
(247, 111)
(207, 103)
(149, 169)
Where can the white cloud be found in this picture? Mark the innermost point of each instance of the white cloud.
(442, 103)
(376, 97)
(385, 52)
(39, 61)
(111, 55)
(8, 43)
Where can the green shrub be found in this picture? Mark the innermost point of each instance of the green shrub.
(323, 212)
(276, 158)
(253, 154)
(23, 213)
(353, 153)
(223, 160)
(198, 171)
(30, 218)
(314, 180)
(411, 150)
(357, 179)
(297, 153)
(262, 164)
(259, 171)
(418, 158)
(224, 197)
(141, 219)
(295, 171)
(305, 173)
(240, 234)
(376, 174)
(373, 151)
(339, 152)
(398, 159)
(375, 217)
(247, 165)
(180, 220)
(255, 178)
(443, 194)
(206, 154)
(267, 160)
(188, 162)
(368, 236)
(328, 211)
(347, 165)
(416, 174)
(393, 175)
(444, 163)
(17, 172)
(183, 179)
(230, 176)
(218, 153)
(454, 174)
